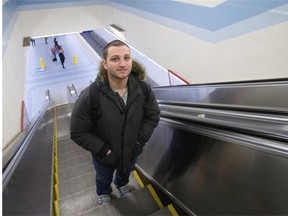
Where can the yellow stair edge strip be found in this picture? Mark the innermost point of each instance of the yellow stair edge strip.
(138, 179)
(56, 168)
(56, 178)
(56, 208)
(56, 192)
(172, 210)
(155, 196)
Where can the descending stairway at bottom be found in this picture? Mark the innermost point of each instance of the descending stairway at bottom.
(75, 189)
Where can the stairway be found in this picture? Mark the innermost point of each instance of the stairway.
(75, 189)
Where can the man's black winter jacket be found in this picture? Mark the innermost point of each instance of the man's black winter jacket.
(119, 127)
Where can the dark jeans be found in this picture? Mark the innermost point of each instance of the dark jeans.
(104, 176)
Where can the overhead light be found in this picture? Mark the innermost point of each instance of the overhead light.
(118, 31)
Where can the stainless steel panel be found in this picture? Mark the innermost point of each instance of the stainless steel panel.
(261, 124)
(264, 95)
(29, 189)
(221, 149)
(214, 173)
(152, 154)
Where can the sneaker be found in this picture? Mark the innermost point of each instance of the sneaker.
(104, 199)
(123, 190)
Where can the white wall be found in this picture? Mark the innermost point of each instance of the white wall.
(257, 55)
(156, 73)
(13, 85)
(63, 20)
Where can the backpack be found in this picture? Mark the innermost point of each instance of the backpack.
(95, 100)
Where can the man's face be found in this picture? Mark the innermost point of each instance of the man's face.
(118, 63)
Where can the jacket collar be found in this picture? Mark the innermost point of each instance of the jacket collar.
(133, 89)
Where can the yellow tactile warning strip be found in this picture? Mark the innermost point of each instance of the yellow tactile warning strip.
(56, 195)
(172, 210)
(155, 196)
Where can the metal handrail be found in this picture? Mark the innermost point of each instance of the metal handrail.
(269, 125)
(72, 94)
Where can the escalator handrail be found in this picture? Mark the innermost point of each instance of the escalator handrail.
(260, 123)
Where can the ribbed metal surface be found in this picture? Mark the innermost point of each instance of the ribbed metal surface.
(162, 211)
(71, 153)
(78, 203)
(73, 162)
(139, 202)
(77, 184)
(76, 171)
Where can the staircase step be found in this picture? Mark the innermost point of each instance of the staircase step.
(139, 202)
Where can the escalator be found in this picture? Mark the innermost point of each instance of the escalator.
(76, 184)
(56, 177)
(222, 149)
(219, 149)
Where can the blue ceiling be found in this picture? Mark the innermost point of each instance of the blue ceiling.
(212, 19)
(203, 22)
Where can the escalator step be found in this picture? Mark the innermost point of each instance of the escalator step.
(64, 149)
(139, 202)
(76, 171)
(163, 212)
(79, 202)
(77, 184)
(73, 162)
(82, 201)
(63, 137)
(70, 153)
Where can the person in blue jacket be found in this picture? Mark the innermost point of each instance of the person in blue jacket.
(116, 129)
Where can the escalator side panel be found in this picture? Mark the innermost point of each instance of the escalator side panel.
(29, 189)
(152, 155)
(210, 175)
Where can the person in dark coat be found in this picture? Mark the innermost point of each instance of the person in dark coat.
(33, 42)
(127, 117)
(56, 43)
(62, 57)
